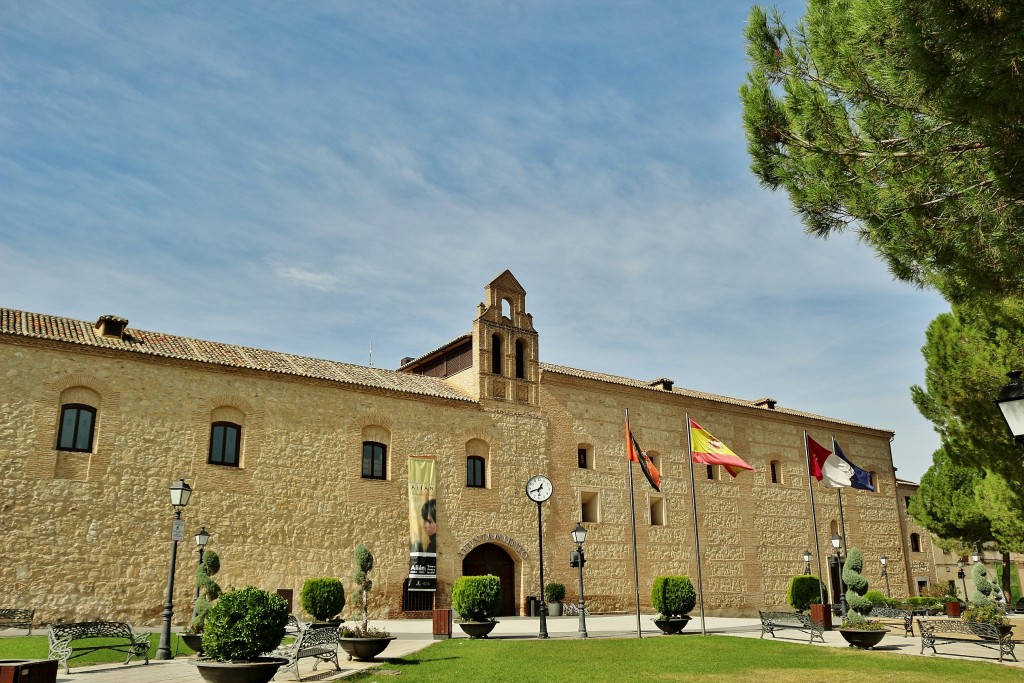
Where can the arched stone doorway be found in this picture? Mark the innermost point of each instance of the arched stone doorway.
(490, 558)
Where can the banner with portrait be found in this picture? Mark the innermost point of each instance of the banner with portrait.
(422, 523)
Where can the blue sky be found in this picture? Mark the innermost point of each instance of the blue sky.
(319, 177)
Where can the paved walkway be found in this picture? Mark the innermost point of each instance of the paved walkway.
(414, 635)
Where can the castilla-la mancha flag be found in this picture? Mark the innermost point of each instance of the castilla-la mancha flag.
(637, 455)
(707, 450)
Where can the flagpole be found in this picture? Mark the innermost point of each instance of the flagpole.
(632, 524)
(842, 519)
(696, 527)
(814, 519)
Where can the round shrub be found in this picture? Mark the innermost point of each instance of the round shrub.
(856, 584)
(673, 596)
(803, 591)
(477, 598)
(554, 592)
(876, 598)
(244, 623)
(322, 598)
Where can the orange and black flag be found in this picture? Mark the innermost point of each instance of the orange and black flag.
(637, 455)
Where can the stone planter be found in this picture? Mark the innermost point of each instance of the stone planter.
(260, 670)
(194, 641)
(477, 629)
(364, 649)
(554, 609)
(865, 640)
(672, 625)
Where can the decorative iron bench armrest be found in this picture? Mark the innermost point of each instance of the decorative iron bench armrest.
(775, 621)
(17, 618)
(945, 631)
(62, 637)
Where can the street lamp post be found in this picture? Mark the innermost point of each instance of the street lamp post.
(1011, 405)
(884, 559)
(578, 559)
(180, 493)
(202, 538)
(837, 542)
(807, 561)
(960, 575)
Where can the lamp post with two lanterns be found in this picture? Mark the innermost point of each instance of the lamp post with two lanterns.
(180, 494)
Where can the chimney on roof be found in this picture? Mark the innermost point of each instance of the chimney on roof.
(663, 383)
(406, 361)
(766, 402)
(111, 326)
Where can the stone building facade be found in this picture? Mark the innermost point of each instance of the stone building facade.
(99, 419)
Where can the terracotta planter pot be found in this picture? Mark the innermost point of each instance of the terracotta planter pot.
(865, 640)
(364, 649)
(259, 670)
(673, 625)
(477, 629)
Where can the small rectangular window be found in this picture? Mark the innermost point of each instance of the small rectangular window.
(225, 443)
(657, 509)
(711, 472)
(581, 457)
(475, 471)
(590, 506)
(77, 422)
(375, 460)
(775, 472)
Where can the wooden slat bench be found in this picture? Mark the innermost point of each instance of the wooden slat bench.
(903, 618)
(777, 621)
(90, 632)
(17, 618)
(945, 631)
(320, 643)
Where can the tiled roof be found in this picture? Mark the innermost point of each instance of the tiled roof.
(458, 340)
(37, 325)
(690, 393)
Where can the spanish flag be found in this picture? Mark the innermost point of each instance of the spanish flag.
(708, 450)
(637, 455)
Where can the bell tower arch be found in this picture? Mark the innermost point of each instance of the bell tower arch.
(505, 345)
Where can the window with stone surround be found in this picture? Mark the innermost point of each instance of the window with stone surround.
(77, 427)
(496, 358)
(655, 457)
(477, 460)
(225, 444)
(657, 510)
(590, 506)
(874, 481)
(711, 472)
(585, 456)
(915, 543)
(376, 441)
(775, 468)
(520, 359)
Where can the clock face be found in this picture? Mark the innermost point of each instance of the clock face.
(538, 488)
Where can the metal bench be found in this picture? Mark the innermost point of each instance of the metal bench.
(777, 621)
(63, 635)
(17, 618)
(903, 616)
(318, 642)
(945, 631)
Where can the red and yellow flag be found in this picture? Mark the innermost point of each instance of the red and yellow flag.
(708, 450)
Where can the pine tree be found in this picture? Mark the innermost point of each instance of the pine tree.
(904, 121)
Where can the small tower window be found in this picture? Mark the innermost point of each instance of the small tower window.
(776, 472)
(915, 543)
(496, 354)
(520, 359)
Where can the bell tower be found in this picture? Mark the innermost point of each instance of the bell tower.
(505, 345)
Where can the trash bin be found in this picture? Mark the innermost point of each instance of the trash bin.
(442, 624)
(533, 605)
(28, 670)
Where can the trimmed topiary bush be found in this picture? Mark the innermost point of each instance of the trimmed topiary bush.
(982, 586)
(856, 584)
(804, 590)
(209, 590)
(876, 598)
(673, 596)
(554, 592)
(322, 598)
(477, 598)
(243, 624)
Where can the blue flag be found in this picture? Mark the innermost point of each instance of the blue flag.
(860, 479)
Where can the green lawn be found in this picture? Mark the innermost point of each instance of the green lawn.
(37, 647)
(690, 658)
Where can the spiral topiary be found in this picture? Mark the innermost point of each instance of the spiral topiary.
(856, 584)
(209, 590)
(982, 586)
(364, 563)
